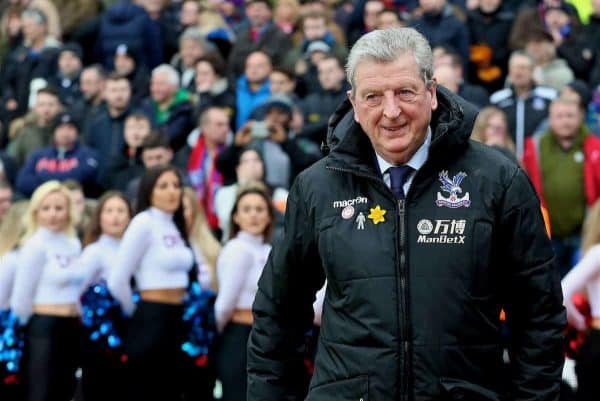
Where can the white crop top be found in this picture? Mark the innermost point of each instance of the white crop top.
(8, 267)
(585, 276)
(153, 252)
(239, 267)
(46, 272)
(97, 258)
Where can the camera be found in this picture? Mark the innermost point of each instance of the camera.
(259, 130)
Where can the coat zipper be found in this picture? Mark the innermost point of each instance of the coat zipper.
(405, 346)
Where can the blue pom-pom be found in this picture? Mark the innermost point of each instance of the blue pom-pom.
(199, 315)
(12, 339)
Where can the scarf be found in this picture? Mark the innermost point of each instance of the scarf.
(205, 189)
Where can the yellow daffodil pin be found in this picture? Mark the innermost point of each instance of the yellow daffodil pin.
(377, 215)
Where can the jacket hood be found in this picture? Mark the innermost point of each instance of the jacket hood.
(451, 126)
(123, 11)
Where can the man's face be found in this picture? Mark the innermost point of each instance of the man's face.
(331, 74)
(372, 10)
(277, 115)
(520, 71)
(124, 64)
(258, 67)
(32, 30)
(280, 83)
(156, 157)
(205, 76)
(135, 131)
(69, 63)
(46, 107)
(152, 6)
(161, 89)
(315, 28)
(388, 19)
(5, 201)
(565, 120)
(393, 106)
(91, 84)
(258, 14)
(117, 93)
(445, 75)
(489, 6)
(65, 135)
(189, 13)
(432, 6)
(190, 51)
(216, 127)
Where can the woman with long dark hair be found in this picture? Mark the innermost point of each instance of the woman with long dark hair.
(154, 252)
(239, 267)
(46, 294)
(101, 357)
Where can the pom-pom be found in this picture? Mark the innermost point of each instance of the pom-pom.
(199, 315)
(574, 338)
(103, 319)
(12, 339)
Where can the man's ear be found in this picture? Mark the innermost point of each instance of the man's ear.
(353, 101)
(433, 90)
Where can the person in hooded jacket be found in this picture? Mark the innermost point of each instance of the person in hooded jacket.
(423, 237)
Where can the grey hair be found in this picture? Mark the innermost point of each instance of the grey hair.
(169, 71)
(197, 36)
(386, 46)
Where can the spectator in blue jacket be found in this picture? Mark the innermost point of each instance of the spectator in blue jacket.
(252, 88)
(126, 22)
(442, 28)
(64, 159)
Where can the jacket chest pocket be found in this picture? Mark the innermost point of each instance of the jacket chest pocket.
(353, 389)
(356, 248)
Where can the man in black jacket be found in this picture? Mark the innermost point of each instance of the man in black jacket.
(423, 236)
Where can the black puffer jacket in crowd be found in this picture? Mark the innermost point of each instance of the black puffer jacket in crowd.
(412, 306)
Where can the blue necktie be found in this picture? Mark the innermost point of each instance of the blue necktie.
(398, 176)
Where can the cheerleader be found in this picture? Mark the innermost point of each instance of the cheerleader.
(102, 368)
(585, 277)
(46, 294)
(199, 381)
(239, 267)
(155, 254)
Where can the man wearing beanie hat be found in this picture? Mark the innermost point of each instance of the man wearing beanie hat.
(67, 76)
(65, 159)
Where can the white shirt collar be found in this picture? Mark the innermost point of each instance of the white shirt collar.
(416, 161)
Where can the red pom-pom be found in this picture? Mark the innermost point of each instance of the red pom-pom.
(201, 361)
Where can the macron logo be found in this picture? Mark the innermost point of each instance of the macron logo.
(349, 202)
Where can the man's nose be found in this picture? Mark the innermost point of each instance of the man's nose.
(391, 106)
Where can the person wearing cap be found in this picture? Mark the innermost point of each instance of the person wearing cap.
(36, 130)
(65, 159)
(306, 67)
(36, 58)
(126, 64)
(261, 34)
(66, 78)
(564, 166)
